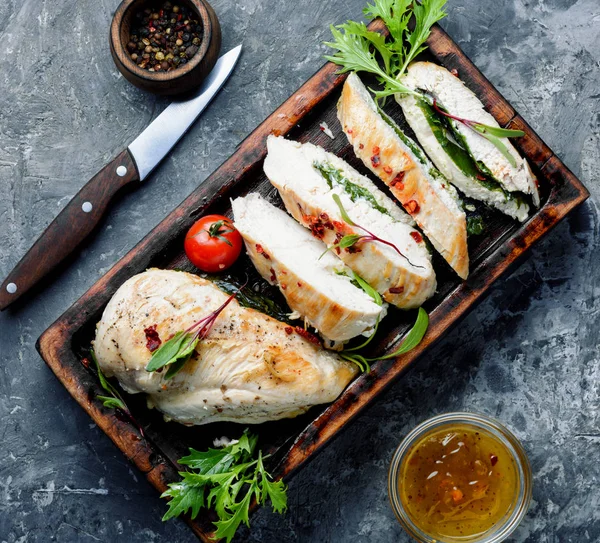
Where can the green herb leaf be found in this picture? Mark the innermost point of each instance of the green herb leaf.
(426, 13)
(414, 336)
(333, 175)
(376, 40)
(354, 54)
(395, 14)
(343, 213)
(367, 288)
(501, 147)
(497, 131)
(226, 528)
(183, 498)
(113, 403)
(225, 479)
(179, 346)
(274, 491)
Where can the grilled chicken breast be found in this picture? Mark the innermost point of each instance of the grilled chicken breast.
(401, 165)
(452, 94)
(248, 369)
(287, 255)
(306, 177)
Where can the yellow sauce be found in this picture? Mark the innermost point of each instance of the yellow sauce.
(458, 482)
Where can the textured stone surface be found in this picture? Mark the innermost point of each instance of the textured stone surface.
(528, 354)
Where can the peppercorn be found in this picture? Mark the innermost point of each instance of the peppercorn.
(164, 36)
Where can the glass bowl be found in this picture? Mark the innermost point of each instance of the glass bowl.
(522, 497)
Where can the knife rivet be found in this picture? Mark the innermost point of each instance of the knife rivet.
(121, 171)
(11, 288)
(86, 207)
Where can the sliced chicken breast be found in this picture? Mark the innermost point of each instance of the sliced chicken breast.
(287, 255)
(403, 167)
(453, 95)
(307, 177)
(249, 369)
(455, 163)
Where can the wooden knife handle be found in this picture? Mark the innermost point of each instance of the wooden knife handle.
(74, 223)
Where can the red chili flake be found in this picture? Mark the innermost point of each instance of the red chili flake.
(416, 236)
(299, 284)
(454, 72)
(261, 251)
(398, 181)
(387, 169)
(481, 177)
(443, 186)
(324, 217)
(283, 286)
(349, 130)
(375, 160)
(273, 277)
(396, 290)
(153, 341)
(412, 206)
(152, 29)
(376, 150)
(307, 335)
(493, 459)
(288, 330)
(361, 146)
(86, 363)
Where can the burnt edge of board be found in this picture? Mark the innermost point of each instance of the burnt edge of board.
(55, 344)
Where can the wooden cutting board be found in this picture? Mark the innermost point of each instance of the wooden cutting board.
(293, 442)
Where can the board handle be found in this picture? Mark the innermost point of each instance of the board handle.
(66, 232)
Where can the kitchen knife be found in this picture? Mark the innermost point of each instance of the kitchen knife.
(83, 213)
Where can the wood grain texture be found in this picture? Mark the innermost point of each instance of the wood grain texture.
(181, 80)
(294, 442)
(72, 225)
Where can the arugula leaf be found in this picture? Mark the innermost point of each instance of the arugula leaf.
(225, 479)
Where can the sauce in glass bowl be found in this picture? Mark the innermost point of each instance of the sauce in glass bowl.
(460, 477)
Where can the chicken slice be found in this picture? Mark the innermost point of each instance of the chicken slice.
(307, 177)
(315, 283)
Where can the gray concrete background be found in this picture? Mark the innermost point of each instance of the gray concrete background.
(528, 355)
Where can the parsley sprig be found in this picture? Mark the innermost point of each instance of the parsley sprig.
(359, 49)
(226, 480)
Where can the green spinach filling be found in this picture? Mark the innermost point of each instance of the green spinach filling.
(334, 176)
(447, 136)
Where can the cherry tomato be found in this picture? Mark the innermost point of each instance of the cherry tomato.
(213, 244)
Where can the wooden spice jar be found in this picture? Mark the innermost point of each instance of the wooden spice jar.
(177, 81)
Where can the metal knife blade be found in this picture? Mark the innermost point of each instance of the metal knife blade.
(161, 135)
(85, 210)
